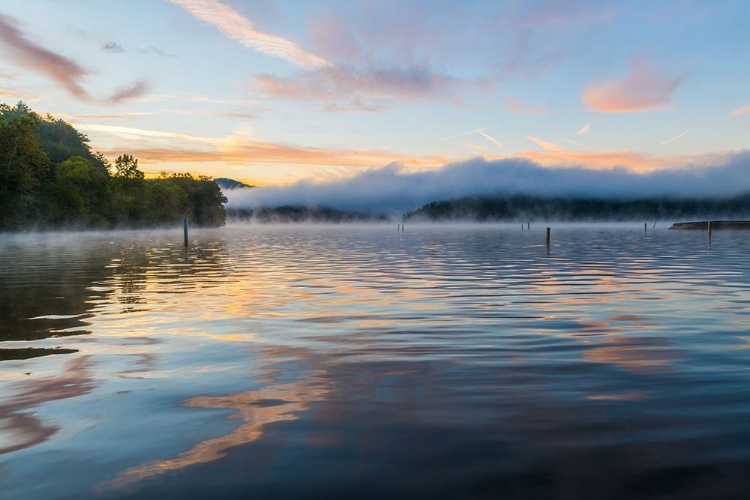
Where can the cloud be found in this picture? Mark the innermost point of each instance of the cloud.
(393, 188)
(359, 88)
(19, 96)
(644, 88)
(548, 146)
(113, 47)
(54, 66)
(151, 49)
(132, 131)
(741, 110)
(129, 92)
(474, 146)
(60, 69)
(584, 130)
(580, 144)
(233, 25)
(521, 108)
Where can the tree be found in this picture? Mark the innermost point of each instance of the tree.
(23, 164)
(129, 192)
(126, 167)
(79, 193)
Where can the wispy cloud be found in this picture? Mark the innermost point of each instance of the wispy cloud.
(548, 146)
(584, 130)
(474, 146)
(575, 143)
(151, 49)
(741, 110)
(83, 117)
(235, 26)
(132, 91)
(20, 96)
(677, 136)
(644, 88)
(133, 131)
(112, 47)
(521, 108)
(360, 88)
(56, 67)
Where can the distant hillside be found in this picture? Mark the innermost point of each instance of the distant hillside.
(226, 183)
(529, 208)
(296, 214)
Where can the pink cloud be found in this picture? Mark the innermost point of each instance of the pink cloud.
(60, 69)
(352, 88)
(56, 67)
(521, 108)
(741, 110)
(235, 26)
(644, 88)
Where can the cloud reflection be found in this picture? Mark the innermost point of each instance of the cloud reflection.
(19, 427)
(256, 409)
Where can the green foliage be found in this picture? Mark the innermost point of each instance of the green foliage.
(530, 208)
(49, 177)
(206, 199)
(23, 167)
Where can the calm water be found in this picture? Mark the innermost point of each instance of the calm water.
(359, 362)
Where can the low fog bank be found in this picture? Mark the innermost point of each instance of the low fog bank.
(394, 190)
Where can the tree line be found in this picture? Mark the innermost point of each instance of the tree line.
(531, 208)
(50, 178)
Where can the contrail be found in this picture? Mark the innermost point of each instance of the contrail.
(677, 136)
(479, 130)
(463, 133)
(584, 129)
(489, 137)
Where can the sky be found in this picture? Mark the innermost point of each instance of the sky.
(329, 96)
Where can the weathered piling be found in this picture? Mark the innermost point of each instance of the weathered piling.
(645, 227)
(185, 230)
(710, 227)
(547, 240)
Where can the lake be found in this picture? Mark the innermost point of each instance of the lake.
(364, 362)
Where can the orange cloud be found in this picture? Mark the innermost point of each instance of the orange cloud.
(548, 146)
(741, 110)
(632, 161)
(521, 108)
(644, 88)
(236, 153)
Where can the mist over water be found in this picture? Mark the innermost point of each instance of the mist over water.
(394, 189)
(364, 362)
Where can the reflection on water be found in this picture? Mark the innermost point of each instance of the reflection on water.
(365, 362)
(19, 428)
(254, 409)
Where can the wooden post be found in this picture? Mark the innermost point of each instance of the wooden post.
(709, 231)
(528, 225)
(547, 240)
(645, 227)
(185, 229)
